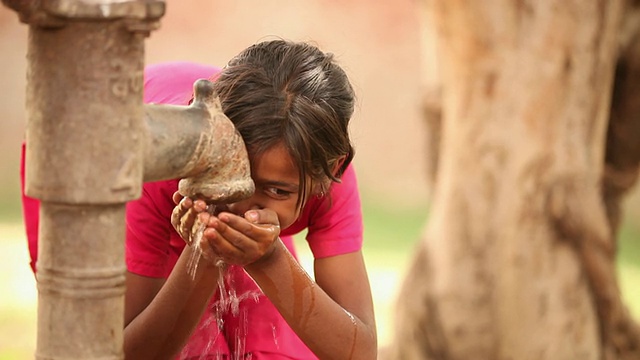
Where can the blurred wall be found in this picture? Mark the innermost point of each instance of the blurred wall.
(13, 49)
(376, 42)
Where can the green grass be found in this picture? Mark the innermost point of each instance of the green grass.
(629, 244)
(391, 234)
(10, 207)
(392, 229)
(629, 280)
(18, 299)
(628, 265)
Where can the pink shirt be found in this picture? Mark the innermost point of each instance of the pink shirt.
(243, 320)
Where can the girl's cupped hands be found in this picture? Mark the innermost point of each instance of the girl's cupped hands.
(232, 238)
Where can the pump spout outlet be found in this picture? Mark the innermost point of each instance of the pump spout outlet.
(199, 145)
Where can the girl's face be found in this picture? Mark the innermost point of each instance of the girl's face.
(277, 186)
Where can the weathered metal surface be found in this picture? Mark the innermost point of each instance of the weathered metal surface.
(198, 143)
(81, 282)
(105, 9)
(84, 96)
(55, 12)
(89, 150)
(84, 162)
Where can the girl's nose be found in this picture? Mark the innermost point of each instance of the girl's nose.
(241, 207)
(220, 208)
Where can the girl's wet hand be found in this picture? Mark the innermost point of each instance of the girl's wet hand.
(187, 216)
(241, 240)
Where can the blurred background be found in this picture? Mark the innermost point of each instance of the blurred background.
(378, 44)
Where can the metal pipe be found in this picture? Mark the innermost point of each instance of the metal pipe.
(84, 97)
(199, 144)
(89, 150)
(84, 162)
(81, 281)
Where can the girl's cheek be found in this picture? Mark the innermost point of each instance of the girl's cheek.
(290, 218)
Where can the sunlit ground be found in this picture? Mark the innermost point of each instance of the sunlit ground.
(389, 240)
(18, 302)
(18, 296)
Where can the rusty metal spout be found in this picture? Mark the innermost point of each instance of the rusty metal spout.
(199, 144)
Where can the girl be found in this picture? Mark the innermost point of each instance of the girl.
(292, 104)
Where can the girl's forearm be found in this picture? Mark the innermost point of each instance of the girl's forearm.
(161, 329)
(329, 330)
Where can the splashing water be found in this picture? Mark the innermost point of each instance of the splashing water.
(228, 301)
(355, 333)
(196, 253)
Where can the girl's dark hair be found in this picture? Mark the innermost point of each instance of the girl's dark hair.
(292, 93)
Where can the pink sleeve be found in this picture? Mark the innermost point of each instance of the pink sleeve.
(30, 214)
(335, 226)
(149, 230)
(172, 83)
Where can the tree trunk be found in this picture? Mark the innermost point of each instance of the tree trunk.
(622, 157)
(517, 261)
(431, 89)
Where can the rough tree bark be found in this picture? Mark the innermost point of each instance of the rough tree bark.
(518, 259)
(622, 157)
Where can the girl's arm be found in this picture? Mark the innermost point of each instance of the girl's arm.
(334, 315)
(160, 315)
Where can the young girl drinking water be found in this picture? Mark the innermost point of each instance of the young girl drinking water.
(292, 104)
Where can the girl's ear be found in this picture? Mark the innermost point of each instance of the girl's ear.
(338, 165)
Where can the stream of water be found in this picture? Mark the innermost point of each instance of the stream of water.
(196, 253)
(228, 302)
